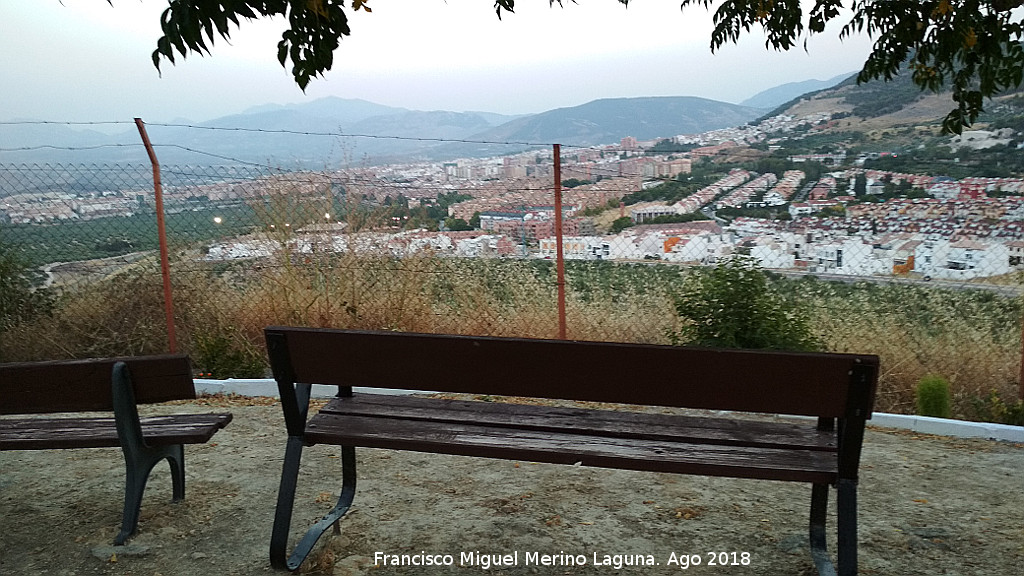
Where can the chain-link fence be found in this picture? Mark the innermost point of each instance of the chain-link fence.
(931, 284)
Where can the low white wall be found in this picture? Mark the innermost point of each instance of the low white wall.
(268, 387)
(922, 424)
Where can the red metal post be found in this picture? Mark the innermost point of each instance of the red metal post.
(1020, 382)
(559, 256)
(161, 230)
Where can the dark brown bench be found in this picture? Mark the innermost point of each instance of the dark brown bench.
(836, 389)
(59, 389)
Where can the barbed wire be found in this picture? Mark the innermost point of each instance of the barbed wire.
(69, 148)
(63, 122)
(211, 154)
(298, 133)
(351, 135)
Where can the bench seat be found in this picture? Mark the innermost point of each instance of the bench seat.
(75, 432)
(591, 437)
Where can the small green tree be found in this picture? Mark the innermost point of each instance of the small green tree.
(860, 184)
(933, 398)
(456, 224)
(734, 306)
(620, 224)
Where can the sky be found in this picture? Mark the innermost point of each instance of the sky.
(88, 61)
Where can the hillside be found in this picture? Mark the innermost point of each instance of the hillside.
(779, 95)
(896, 111)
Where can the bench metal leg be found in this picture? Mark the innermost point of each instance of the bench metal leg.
(139, 457)
(847, 519)
(139, 462)
(819, 545)
(286, 501)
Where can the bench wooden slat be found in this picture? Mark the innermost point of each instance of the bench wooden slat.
(84, 385)
(619, 424)
(50, 433)
(808, 384)
(569, 448)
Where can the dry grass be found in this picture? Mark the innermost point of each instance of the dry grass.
(976, 349)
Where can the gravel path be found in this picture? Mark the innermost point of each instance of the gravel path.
(928, 505)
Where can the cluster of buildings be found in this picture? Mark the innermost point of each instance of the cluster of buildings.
(964, 233)
(53, 207)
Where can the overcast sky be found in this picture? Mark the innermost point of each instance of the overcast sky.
(83, 60)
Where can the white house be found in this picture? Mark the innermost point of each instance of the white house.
(846, 256)
(573, 247)
(772, 253)
(961, 260)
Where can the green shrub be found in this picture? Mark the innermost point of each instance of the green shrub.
(226, 354)
(933, 397)
(733, 306)
(995, 409)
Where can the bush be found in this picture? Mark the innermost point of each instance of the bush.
(995, 409)
(733, 306)
(226, 354)
(933, 397)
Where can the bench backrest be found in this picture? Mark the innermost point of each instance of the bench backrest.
(85, 385)
(811, 384)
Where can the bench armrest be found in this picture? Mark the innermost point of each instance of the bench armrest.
(294, 397)
(126, 412)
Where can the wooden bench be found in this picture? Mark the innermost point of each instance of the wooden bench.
(57, 389)
(836, 389)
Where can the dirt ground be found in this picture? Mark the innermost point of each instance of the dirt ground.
(928, 505)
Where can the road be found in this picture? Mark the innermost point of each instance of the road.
(1007, 291)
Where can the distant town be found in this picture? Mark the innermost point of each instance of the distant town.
(847, 220)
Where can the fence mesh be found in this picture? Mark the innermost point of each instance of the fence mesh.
(444, 248)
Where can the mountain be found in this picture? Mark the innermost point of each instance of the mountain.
(609, 120)
(335, 131)
(341, 110)
(604, 121)
(774, 97)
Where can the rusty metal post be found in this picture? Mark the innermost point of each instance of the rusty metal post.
(161, 230)
(1020, 381)
(559, 255)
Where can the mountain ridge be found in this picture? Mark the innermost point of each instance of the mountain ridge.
(359, 130)
(369, 131)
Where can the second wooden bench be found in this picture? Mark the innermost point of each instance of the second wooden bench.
(53, 392)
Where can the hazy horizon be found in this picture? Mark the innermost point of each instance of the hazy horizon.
(95, 63)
